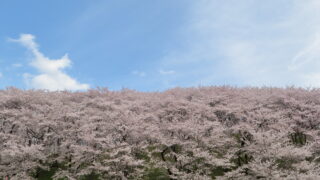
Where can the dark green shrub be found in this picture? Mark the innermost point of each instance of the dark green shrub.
(241, 157)
(47, 174)
(156, 174)
(243, 137)
(91, 176)
(298, 138)
(286, 163)
(219, 171)
(140, 154)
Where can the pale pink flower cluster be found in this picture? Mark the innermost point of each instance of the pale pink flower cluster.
(192, 133)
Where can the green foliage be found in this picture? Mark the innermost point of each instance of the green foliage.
(219, 152)
(241, 157)
(120, 153)
(317, 160)
(197, 164)
(142, 155)
(47, 174)
(228, 119)
(43, 174)
(298, 138)
(219, 171)
(189, 153)
(156, 155)
(286, 163)
(91, 176)
(103, 156)
(84, 165)
(169, 153)
(128, 171)
(177, 148)
(243, 137)
(151, 148)
(156, 174)
(190, 167)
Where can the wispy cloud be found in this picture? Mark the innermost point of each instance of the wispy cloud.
(248, 42)
(308, 54)
(139, 73)
(163, 72)
(16, 65)
(51, 76)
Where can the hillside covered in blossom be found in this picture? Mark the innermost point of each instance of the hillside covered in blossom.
(193, 133)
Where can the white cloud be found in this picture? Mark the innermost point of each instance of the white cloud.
(16, 65)
(248, 42)
(139, 73)
(51, 76)
(311, 80)
(163, 72)
(307, 55)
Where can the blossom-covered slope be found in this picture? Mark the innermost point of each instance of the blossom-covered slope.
(193, 133)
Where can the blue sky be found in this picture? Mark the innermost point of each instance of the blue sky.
(160, 44)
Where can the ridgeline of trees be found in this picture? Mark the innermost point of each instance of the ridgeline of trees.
(192, 133)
